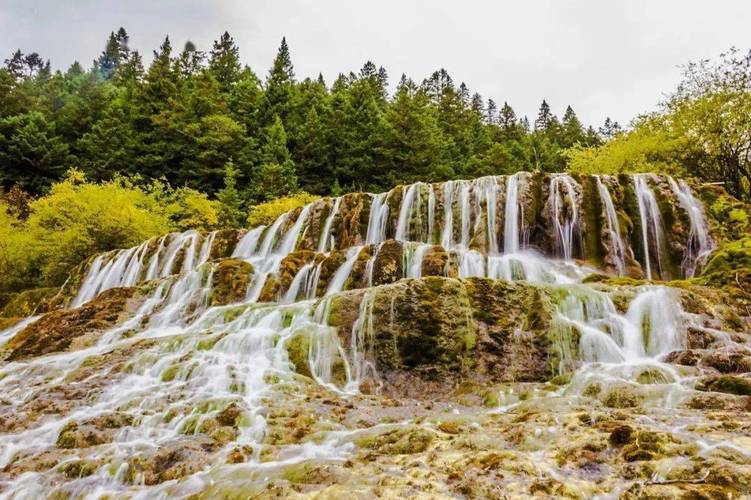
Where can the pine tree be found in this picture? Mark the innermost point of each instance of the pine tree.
(224, 62)
(276, 175)
(190, 60)
(230, 211)
(544, 117)
(507, 118)
(115, 53)
(491, 113)
(572, 131)
(609, 129)
(15, 64)
(438, 85)
(279, 87)
(414, 145)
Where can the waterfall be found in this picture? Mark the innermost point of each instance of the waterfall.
(405, 213)
(379, 214)
(511, 216)
(271, 235)
(699, 244)
(301, 279)
(651, 327)
(616, 249)
(362, 341)
(447, 235)
(340, 276)
(565, 212)
(246, 247)
(125, 268)
(431, 212)
(289, 242)
(413, 257)
(370, 265)
(651, 225)
(489, 187)
(153, 270)
(323, 243)
(180, 361)
(465, 212)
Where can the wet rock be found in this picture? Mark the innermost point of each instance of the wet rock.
(729, 359)
(230, 281)
(56, 331)
(76, 469)
(621, 435)
(229, 415)
(404, 440)
(726, 383)
(74, 436)
(172, 460)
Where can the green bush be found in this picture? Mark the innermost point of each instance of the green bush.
(266, 213)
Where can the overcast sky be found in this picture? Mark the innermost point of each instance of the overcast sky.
(604, 58)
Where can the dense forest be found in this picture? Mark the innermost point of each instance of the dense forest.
(190, 113)
(100, 158)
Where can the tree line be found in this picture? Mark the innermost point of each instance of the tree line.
(205, 121)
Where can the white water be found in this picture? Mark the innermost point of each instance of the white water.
(616, 248)
(700, 243)
(411, 198)
(326, 239)
(246, 247)
(379, 214)
(564, 207)
(125, 268)
(174, 375)
(341, 274)
(651, 227)
(447, 234)
(511, 216)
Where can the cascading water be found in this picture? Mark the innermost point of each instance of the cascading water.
(699, 244)
(511, 216)
(651, 227)
(379, 213)
(186, 361)
(617, 251)
(326, 237)
(564, 208)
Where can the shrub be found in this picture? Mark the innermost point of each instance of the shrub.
(266, 213)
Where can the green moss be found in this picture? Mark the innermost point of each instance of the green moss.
(297, 351)
(621, 397)
(728, 384)
(230, 281)
(67, 438)
(78, 469)
(402, 441)
(731, 256)
(169, 373)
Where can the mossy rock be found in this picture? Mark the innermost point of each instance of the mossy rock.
(231, 280)
(56, 331)
(731, 256)
(297, 351)
(622, 397)
(224, 243)
(402, 441)
(77, 469)
(728, 384)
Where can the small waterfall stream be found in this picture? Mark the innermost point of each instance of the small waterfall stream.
(651, 228)
(616, 248)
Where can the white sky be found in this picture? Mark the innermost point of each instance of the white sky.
(605, 58)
